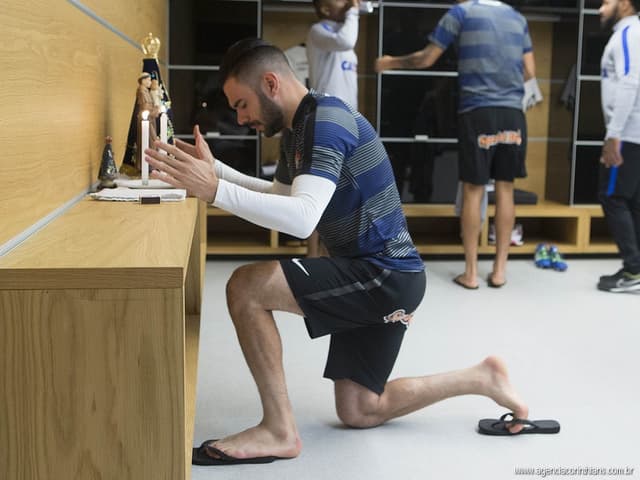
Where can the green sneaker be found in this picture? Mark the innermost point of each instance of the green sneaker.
(557, 262)
(541, 258)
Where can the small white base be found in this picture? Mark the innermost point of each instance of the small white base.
(137, 183)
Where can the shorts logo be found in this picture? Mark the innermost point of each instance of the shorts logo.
(297, 263)
(399, 315)
(507, 137)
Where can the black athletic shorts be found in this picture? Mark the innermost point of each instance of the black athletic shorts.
(493, 144)
(365, 308)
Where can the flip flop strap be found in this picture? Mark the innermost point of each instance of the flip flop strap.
(208, 447)
(516, 421)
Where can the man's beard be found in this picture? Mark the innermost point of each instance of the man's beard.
(272, 116)
(607, 24)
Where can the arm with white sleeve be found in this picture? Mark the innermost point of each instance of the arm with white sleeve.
(342, 39)
(295, 214)
(626, 91)
(229, 174)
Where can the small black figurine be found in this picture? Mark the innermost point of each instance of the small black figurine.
(108, 170)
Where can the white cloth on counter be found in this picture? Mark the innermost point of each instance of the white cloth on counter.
(123, 194)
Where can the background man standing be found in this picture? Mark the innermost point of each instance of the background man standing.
(495, 57)
(619, 182)
(333, 64)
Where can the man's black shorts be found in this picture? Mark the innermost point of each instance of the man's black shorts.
(493, 144)
(365, 308)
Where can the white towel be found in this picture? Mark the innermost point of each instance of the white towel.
(532, 94)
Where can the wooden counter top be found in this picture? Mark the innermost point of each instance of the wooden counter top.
(122, 245)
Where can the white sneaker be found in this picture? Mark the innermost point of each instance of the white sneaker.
(516, 235)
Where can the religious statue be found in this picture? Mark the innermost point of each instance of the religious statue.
(108, 170)
(145, 103)
(153, 97)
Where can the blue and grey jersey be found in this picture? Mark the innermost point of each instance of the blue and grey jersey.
(620, 81)
(364, 218)
(491, 38)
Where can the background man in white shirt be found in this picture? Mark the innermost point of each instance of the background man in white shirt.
(619, 182)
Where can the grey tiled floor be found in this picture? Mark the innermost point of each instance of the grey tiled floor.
(572, 351)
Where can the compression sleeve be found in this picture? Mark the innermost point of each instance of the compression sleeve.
(229, 174)
(296, 214)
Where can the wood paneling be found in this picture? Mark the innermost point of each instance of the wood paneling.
(66, 82)
(135, 19)
(99, 323)
(538, 115)
(93, 384)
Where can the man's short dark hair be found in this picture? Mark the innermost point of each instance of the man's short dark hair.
(636, 5)
(249, 57)
(316, 5)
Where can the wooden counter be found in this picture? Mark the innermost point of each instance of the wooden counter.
(99, 325)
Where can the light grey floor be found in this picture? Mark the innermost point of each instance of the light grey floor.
(572, 351)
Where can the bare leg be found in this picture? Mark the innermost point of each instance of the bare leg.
(471, 224)
(505, 218)
(361, 408)
(253, 292)
(315, 247)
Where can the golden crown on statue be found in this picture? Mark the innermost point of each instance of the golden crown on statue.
(150, 45)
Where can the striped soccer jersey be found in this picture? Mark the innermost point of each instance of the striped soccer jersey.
(364, 218)
(491, 38)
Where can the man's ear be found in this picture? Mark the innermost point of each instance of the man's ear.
(324, 10)
(271, 83)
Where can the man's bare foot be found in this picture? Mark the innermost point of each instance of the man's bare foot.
(500, 390)
(466, 281)
(496, 280)
(259, 441)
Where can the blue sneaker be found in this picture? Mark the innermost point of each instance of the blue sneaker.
(557, 262)
(541, 258)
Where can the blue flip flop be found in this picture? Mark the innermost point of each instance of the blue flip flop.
(492, 426)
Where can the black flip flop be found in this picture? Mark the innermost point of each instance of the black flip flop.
(201, 457)
(493, 284)
(492, 426)
(457, 281)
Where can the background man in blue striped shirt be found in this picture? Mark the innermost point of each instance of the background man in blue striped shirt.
(619, 182)
(336, 177)
(495, 58)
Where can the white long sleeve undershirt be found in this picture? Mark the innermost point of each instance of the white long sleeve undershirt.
(294, 210)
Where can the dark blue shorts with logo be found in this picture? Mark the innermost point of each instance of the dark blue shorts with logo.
(366, 310)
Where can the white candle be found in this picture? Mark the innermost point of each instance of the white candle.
(163, 126)
(144, 146)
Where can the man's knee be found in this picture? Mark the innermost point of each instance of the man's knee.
(238, 285)
(357, 407)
